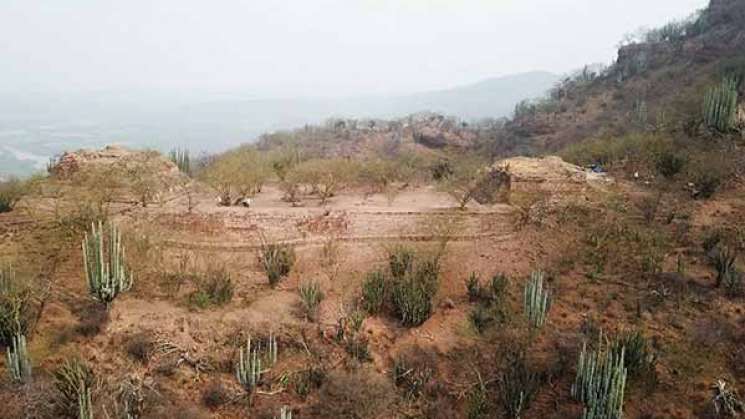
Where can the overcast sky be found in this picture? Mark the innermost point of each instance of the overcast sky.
(307, 47)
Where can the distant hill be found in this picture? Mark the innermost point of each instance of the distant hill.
(491, 98)
(33, 128)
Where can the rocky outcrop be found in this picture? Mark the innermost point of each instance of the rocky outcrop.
(548, 174)
(115, 156)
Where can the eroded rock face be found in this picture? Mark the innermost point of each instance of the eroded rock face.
(72, 162)
(548, 174)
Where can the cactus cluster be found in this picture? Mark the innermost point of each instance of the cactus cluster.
(720, 106)
(248, 369)
(536, 300)
(600, 382)
(74, 381)
(18, 361)
(104, 262)
(180, 157)
(15, 305)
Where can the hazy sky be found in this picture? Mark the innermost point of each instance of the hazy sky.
(307, 47)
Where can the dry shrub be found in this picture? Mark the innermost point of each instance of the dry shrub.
(140, 347)
(214, 288)
(413, 370)
(11, 192)
(93, 319)
(355, 394)
(215, 395)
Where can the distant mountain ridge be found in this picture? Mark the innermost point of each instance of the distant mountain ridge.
(40, 127)
(490, 98)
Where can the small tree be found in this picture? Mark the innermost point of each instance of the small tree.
(237, 174)
(144, 176)
(105, 264)
(325, 176)
(462, 180)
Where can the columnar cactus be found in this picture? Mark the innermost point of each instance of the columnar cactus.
(18, 361)
(285, 413)
(104, 262)
(600, 382)
(536, 300)
(272, 350)
(85, 403)
(720, 105)
(248, 369)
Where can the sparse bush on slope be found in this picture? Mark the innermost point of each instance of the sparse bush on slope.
(11, 192)
(277, 260)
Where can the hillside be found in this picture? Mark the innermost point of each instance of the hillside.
(410, 267)
(657, 83)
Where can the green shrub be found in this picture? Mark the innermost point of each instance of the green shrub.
(734, 283)
(473, 287)
(477, 402)
(639, 360)
(724, 258)
(708, 172)
(519, 386)
(348, 334)
(482, 317)
(670, 163)
(412, 293)
(310, 298)
(374, 292)
(400, 260)
(277, 261)
(308, 379)
(11, 192)
(493, 293)
(636, 149)
(498, 287)
(215, 288)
